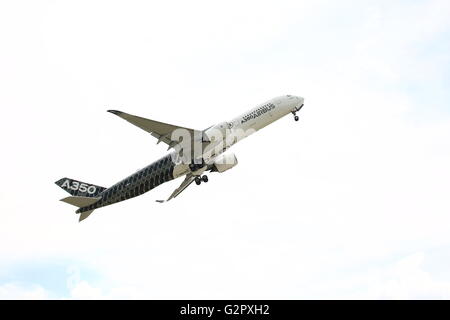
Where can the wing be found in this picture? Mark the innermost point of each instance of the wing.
(186, 182)
(160, 130)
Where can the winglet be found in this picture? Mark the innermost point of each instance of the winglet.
(116, 112)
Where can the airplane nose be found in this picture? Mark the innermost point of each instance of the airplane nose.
(300, 103)
(294, 103)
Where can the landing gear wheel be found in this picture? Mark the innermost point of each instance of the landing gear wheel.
(196, 166)
(296, 118)
(205, 178)
(198, 181)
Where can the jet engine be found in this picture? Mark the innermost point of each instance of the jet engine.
(224, 162)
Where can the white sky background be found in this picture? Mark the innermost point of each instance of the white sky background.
(350, 202)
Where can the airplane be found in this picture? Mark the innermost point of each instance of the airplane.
(195, 152)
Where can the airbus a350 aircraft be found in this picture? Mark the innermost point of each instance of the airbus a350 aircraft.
(195, 152)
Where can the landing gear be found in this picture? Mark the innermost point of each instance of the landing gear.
(295, 111)
(199, 180)
(196, 166)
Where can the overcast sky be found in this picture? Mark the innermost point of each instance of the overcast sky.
(352, 201)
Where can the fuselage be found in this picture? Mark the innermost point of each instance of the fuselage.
(166, 168)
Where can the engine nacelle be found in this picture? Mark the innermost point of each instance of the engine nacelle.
(224, 162)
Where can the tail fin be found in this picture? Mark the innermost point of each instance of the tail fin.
(80, 189)
(81, 202)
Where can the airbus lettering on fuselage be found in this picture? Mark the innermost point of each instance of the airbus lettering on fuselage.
(260, 111)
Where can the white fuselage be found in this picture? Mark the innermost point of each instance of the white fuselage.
(266, 113)
(223, 135)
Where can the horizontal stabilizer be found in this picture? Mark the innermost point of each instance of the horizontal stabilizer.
(80, 201)
(84, 215)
